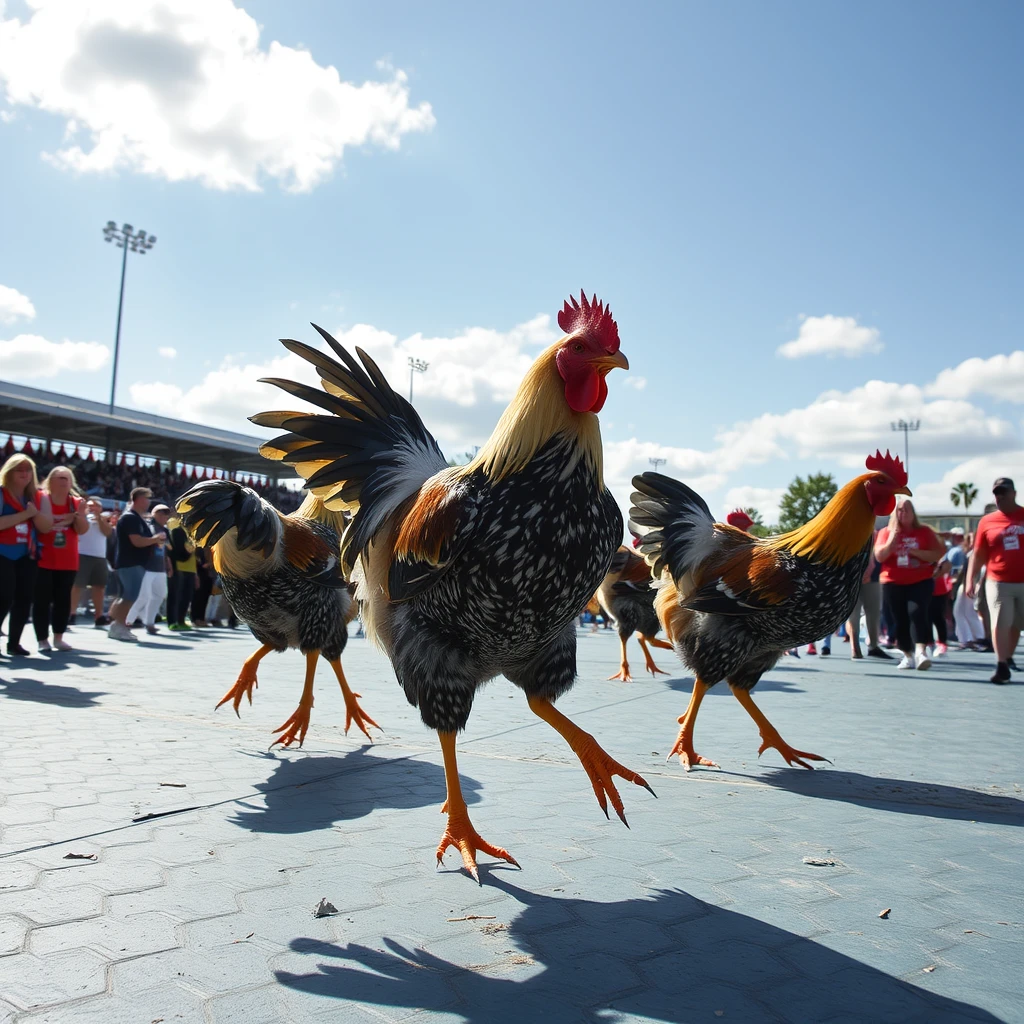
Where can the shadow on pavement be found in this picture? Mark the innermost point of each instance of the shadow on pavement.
(908, 797)
(670, 957)
(685, 685)
(49, 693)
(59, 662)
(305, 794)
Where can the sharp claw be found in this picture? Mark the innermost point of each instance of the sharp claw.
(643, 782)
(622, 818)
(512, 860)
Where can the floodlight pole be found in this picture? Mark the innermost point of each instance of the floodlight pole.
(126, 238)
(656, 463)
(906, 426)
(415, 366)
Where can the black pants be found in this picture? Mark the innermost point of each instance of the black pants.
(937, 613)
(180, 596)
(201, 598)
(17, 587)
(53, 601)
(908, 604)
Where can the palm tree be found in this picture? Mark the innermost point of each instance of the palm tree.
(965, 493)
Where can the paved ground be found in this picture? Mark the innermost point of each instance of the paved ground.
(704, 911)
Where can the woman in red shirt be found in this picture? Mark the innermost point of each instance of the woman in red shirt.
(908, 551)
(58, 560)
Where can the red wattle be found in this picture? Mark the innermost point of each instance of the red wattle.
(602, 394)
(583, 390)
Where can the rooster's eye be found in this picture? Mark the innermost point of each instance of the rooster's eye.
(577, 347)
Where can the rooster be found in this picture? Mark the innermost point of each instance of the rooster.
(625, 595)
(470, 572)
(281, 575)
(731, 604)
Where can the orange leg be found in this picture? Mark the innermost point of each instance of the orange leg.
(598, 765)
(296, 726)
(353, 712)
(769, 734)
(684, 742)
(623, 672)
(246, 679)
(459, 831)
(651, 667)
(663, 644)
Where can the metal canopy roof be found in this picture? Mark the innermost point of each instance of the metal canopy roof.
(78, 421)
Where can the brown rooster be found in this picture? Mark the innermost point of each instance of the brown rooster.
(731, 604)
(471, 572)
(625, 595)
(282, 575)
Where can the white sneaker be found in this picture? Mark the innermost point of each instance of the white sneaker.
(923, 662)
(907, 662)
(44, 645)
(119, 632)
(62, 645)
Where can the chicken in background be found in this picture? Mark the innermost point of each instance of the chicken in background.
(282, 576)
(732, 604)
(474, 571)
(625, 595)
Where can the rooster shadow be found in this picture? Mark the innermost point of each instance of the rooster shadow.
(904, 796)
(685, 685)
(306, 794)
(668, 957)
(37, 691)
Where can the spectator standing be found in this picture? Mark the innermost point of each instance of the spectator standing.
(942, 587)
(58, 560)
(135, 538)
(24, 513)
(93, 570)
(908, 551)
(870, 602)
(154, 584)
(203, 588)
(183, 583)
(998, 548)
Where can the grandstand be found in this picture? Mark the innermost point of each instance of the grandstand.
(155, 451)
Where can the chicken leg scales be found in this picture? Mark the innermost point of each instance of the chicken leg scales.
(296, 726)
(459, 831)
(599, 766)
(770, 735)
(684, 742)
(353, 712)
(246, 679)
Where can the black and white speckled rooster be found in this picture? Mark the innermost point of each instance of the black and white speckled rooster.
(282, 575)
(626, 596)
(732, 604)
(470, 572)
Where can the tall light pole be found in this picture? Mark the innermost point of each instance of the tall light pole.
(126, 237)
(656, 463)
(415, 366)
(906, 426)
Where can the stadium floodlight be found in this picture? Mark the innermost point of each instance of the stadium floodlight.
(415, 366)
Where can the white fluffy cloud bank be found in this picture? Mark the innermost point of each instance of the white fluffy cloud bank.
(28, 356)
(183, 90)
(1000, 377)
(14, 306)
(832, 336)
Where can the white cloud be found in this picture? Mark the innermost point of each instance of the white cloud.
(182, 90)
(29, 355)
(1000, 376)
(832, 336)
(14, 305)
(471, 378)
(168, 351)
(847, 425)
(981, 470)
(635, 382)
(764, 499)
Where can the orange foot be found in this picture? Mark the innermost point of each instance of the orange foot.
(623, 674)
(294, 729)
(601, 767)
(652, 668)
(688, 757)
(791, 754)
(243, 688)
(461, 834)
(354, 713)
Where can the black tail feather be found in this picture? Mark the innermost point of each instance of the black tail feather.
(211, 508)
(670, 519)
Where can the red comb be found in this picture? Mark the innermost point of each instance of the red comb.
(888, 464)
(592, 318)
(739, 519)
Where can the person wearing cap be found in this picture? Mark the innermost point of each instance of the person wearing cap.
(135, 539)
(154, 584)
(999, 548)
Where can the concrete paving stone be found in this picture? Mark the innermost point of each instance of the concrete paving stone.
(44, 906)
(138, 935)
(28, 981)
(13, 931)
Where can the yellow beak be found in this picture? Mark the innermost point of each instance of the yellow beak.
(904, 490)
(614, 362)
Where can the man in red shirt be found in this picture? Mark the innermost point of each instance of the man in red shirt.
(999, 546)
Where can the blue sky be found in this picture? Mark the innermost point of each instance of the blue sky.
(730, 177)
